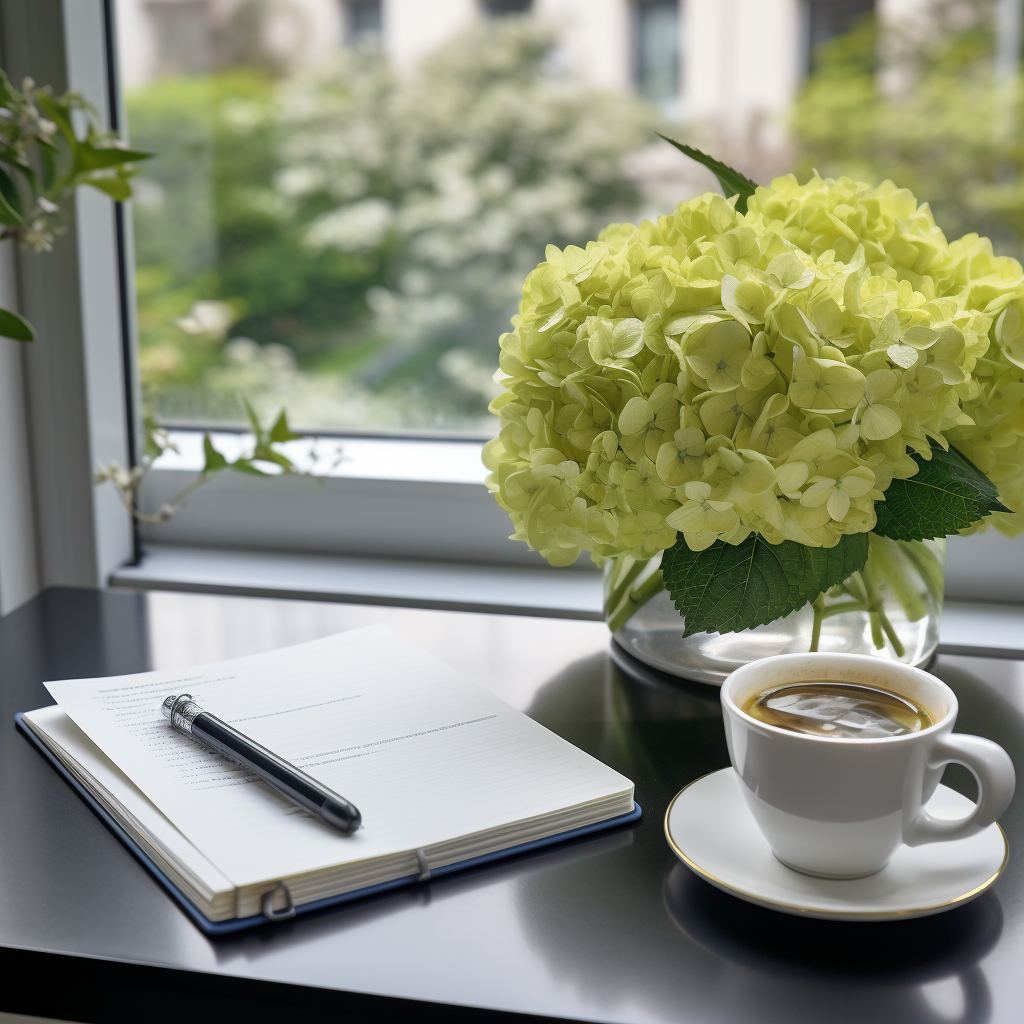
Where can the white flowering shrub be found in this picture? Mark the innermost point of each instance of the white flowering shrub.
(449, 178)
(376, 220)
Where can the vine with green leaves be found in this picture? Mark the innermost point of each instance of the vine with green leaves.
(43, 159)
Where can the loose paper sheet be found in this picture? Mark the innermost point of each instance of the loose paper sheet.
(426, 755)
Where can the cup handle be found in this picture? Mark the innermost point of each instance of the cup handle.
(990, 765)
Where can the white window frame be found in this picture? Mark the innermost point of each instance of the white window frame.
(78, 405)
(80, 388)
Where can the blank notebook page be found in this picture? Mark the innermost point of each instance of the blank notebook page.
(426, 755)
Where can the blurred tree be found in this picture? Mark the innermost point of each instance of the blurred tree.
(376, 222)
(920, 103)
(209, 224)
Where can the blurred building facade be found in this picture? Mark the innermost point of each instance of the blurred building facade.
(731, 67)
(365, 229)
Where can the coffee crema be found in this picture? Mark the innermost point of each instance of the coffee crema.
(835, 710)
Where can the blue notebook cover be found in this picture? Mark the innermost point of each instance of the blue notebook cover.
(239, 923)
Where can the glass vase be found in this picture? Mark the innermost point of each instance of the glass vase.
(890, 609)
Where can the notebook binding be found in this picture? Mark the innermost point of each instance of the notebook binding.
(421, 859)
(267, 904)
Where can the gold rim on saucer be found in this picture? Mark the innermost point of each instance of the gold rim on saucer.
(756, 898)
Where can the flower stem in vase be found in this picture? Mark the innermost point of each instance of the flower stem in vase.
(633, 591)
(879, 620)
(819, 614)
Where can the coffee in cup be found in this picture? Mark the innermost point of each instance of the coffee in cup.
(836, 710)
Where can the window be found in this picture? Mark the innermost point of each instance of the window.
(182, 37)
(827, 19)
(363, 20)
(344, 230)
(656, 59)
(236, 291)
(502, 8)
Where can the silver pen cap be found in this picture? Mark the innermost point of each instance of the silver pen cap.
(181, 710)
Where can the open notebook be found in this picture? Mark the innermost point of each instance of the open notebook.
(444, 773)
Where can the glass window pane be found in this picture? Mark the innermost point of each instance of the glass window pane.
(364, 19)
(827, 19)
(657, 48)
(500, 8)
(345, 229)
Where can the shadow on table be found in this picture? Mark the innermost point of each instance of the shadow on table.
(784, 967)
(417, 898)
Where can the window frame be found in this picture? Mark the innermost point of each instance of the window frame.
(807, 40)
(81, 389)
(77, 375)
(636, 57)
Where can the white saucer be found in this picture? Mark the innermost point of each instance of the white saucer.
(714, 834)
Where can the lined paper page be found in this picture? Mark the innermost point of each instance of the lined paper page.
(426, 755)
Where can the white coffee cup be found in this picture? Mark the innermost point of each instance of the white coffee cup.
(840, 808)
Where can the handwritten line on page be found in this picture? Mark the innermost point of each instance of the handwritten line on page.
(426, 755)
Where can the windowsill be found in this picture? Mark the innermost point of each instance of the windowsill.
(969, 628)
(503, 589)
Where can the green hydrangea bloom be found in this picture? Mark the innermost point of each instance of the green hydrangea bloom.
(717, 373)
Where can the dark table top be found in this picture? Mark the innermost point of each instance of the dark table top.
(610, 928)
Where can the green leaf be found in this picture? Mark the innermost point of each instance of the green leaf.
(264, 453)
(254, 420)
(281, 432)
(7, 91)
(58, 113)
(947, 494)
(9, 155)
(116, 188)
(10, 193)
(30, 177)
(214, 460)
(155, 443)
(730, 587)
(16, 327)
(247, 466)
(10, 216)
(732, 182)
(47, 167)
(95, 158)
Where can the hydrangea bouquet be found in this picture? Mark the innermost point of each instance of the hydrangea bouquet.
(741, 402)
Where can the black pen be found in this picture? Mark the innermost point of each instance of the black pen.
(188, 717)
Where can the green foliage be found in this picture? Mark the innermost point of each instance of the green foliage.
(369, 220)
(947, 494)
(932, 117)
(14, 326)
(42, 162)
(733, 183)
(729, 587)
